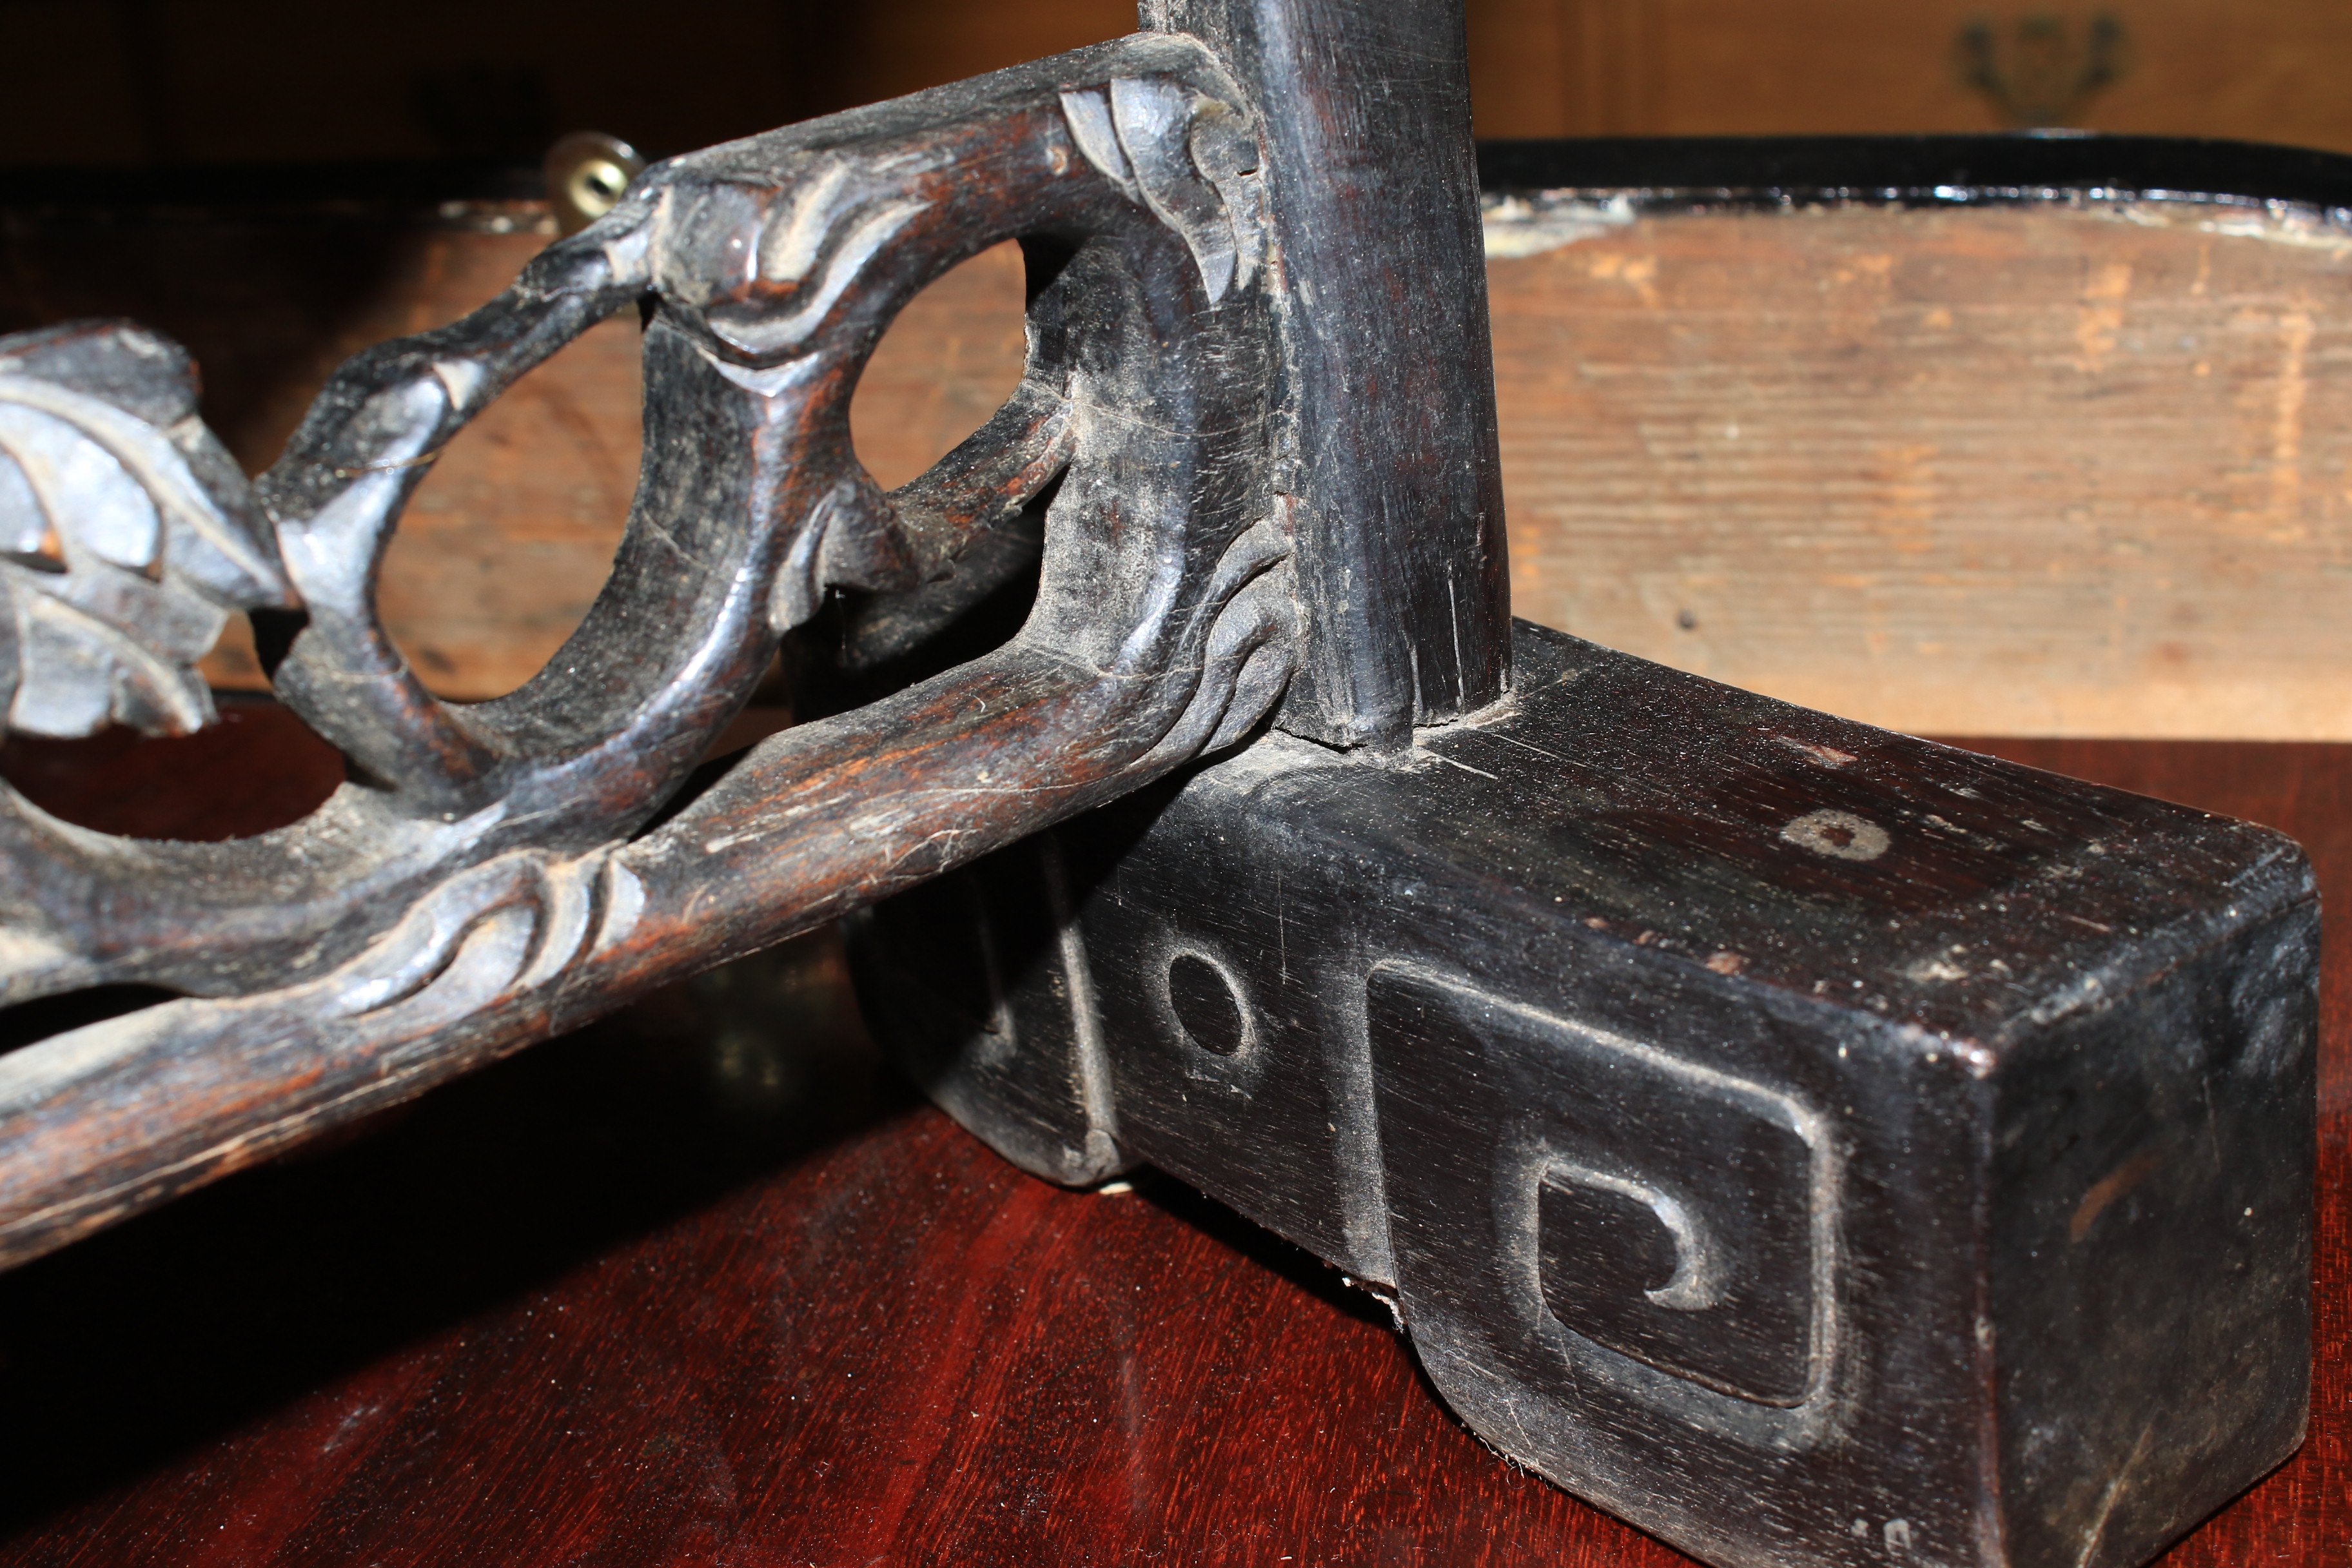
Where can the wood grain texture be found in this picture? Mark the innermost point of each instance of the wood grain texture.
(2263, 70)
(509, 541)
(1391, 484)
(2027, 472)
(1978, 480)
(553, 464)
(700, 1286)
(232, 80)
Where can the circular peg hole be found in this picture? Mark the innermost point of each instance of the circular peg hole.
(1207, 1005)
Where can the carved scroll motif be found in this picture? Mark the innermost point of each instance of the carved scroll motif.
(487, 875)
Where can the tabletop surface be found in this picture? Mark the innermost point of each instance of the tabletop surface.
(704, 1284)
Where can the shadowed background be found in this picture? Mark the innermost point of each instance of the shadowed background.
(130, 82)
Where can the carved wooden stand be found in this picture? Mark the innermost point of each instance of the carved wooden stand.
(1811, 1143)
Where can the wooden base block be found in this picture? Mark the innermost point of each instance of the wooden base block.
(1812, 1144)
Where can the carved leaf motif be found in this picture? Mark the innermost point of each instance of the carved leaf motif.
(127, 535)
(1190, 158)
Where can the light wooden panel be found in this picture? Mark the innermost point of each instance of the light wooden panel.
(1993, 471)
(946, 364)
(1984, 471)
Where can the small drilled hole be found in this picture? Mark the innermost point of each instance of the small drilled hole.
(1206, 1004)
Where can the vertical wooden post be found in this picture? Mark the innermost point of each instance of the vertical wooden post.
(1394, 482)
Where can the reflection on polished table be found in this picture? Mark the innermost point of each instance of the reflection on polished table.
(703, 1284)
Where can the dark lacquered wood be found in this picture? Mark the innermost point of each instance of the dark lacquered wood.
(2302, 1513)
(480, 881)
(1471, 994)
(1395, 488)
(701, 1286)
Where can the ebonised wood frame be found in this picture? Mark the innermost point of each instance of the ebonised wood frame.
(484, 878)
(1812, 1144)
(494, 873)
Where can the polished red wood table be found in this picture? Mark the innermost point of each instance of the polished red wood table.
(704, 1285)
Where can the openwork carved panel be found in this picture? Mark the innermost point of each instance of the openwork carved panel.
(488, 874)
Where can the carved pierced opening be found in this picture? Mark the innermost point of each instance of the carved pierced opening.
(509, 539)
(256, 770)
(950, 360)
(948, 363)
(30, 1023)
(508, 543)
